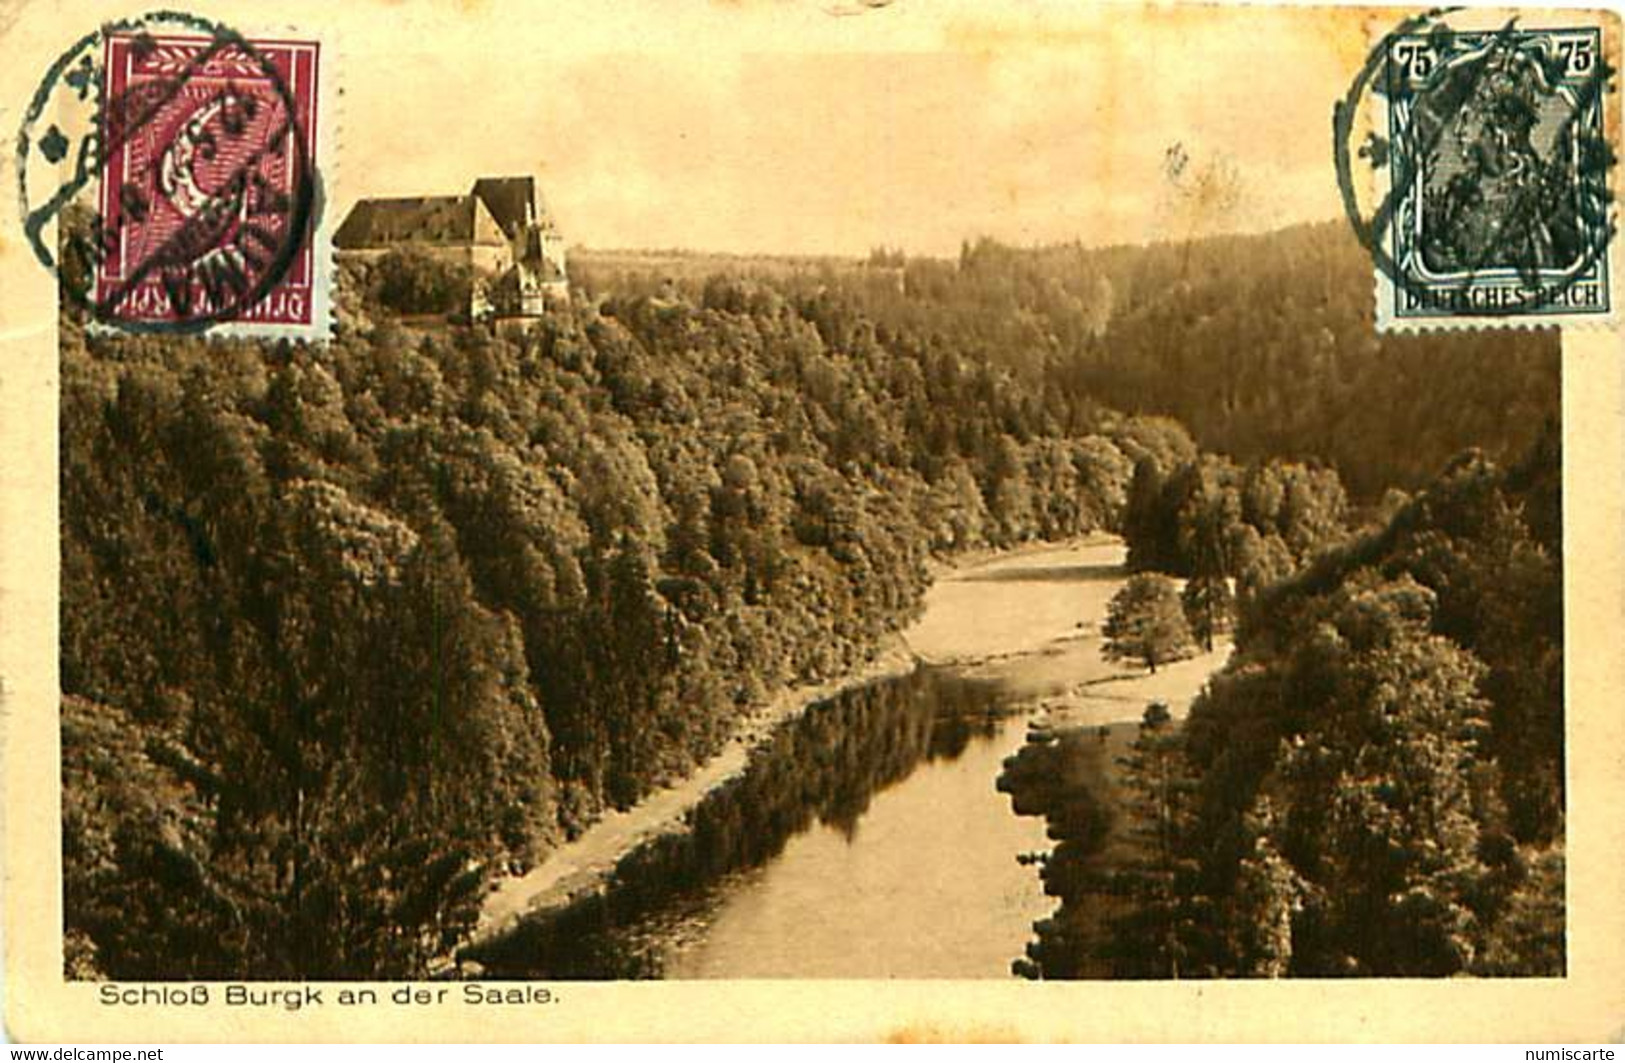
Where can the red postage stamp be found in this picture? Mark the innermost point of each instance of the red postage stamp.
(208, 187)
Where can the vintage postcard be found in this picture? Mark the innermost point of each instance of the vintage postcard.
(811, 520)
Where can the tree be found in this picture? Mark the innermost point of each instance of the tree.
(1158, 933)
(412, 281)
(1528, 939)
(1378, 813)
(1147, 527)
(1156, 716)
(1209, 606)
(1146, 622)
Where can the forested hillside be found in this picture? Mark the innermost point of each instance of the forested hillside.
(1261, 346)
(348, 629)
(1381, 766)
(1374, 785)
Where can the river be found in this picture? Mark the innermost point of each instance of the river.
(865, 838)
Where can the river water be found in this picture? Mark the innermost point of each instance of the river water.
(866, 840)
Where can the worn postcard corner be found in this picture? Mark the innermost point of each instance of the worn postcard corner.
(805, 521)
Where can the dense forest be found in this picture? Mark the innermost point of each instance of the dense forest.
(1373, 786)
(1381, 765)
(376, 619)
(1260, 346)
(348, 629)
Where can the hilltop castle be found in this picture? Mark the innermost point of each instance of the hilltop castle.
(501, 227)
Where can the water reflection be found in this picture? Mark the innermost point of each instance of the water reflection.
(728, 899)
(1069, 783)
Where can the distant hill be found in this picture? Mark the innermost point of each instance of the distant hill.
(610, 270)
(1261, 345)
(1265, 346)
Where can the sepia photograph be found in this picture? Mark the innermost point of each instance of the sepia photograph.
(815, 491)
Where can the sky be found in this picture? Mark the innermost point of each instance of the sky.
(777, 126)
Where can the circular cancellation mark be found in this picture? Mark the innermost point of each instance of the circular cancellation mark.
(197, 155)
(1492, 168)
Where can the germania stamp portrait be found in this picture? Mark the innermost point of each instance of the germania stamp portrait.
(1498, 167)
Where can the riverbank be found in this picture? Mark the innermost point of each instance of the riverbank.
(581, 868)
(1028, 618)
(983, 608)
(1073, 780)
(1031, 618)
(1070, 773)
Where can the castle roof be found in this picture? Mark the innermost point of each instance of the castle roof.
(512, 201)
(416, 219)
(495, 212)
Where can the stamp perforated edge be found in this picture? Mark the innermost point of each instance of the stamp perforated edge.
(328, 109)
(1608, 24)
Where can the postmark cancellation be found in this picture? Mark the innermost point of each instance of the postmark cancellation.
(180, 161)
(1490, 152)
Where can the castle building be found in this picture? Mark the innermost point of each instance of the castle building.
(500, 227)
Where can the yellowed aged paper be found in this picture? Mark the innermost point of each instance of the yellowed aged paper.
(648, 521)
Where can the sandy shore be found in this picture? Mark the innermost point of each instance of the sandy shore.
(1018, 602)
(581, 867)
(1029, 617)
